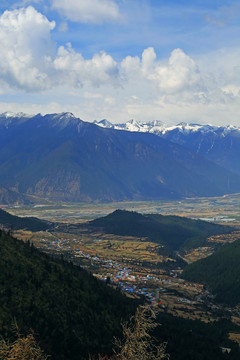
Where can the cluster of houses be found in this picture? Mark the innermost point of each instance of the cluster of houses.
(117, 273)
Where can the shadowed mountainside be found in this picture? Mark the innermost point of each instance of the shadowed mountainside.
(62, 158)
(15, 222)
(73, 313)
(220, 272)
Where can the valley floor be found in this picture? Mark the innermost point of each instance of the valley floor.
(224, 209)
(133, 265)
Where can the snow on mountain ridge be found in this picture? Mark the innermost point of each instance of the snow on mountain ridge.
(64, 120)
(8, 118)
(104, 123)
(159, 128)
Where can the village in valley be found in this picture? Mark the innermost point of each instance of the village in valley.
(141, 273)
(136, 266)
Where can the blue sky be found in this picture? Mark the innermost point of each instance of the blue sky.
(121, 59)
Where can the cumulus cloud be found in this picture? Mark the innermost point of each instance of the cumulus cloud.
(179, 74)
(26, 48)
(91, 11)
(76, 71)
(29, 59)
(143, 85)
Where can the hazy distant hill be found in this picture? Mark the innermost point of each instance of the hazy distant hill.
(8, 196)
(60, 157)
(15, 222)
(221, 272)
(173, 231)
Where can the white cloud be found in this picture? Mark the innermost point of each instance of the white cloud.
(76, 71)
(29, 61)
(90, 11)
(224, 15)
(110, 100)
(144, 87)
(148, 61)
(23, 3)
(26, 47)
(231, 90)
(90, 95)
(63, 27)
(176, 77)
(181, 73)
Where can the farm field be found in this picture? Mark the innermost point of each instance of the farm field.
(135, 265)
(224, 210)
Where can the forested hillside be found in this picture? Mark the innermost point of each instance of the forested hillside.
(15, 222)
(173, 231)
(73, 313)
(220, 272)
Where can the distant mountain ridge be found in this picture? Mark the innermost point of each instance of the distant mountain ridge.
(13, 197)
(62, 158)
(220, 144)
(159, 127)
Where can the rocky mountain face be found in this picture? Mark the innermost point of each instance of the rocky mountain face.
(12, 197)
(62, 158)
(220, 144)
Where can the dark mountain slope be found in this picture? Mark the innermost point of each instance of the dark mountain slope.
(15, 222)
(173, 231)
(221, 272)
(72, 312)
(62, 158)
(218, 144)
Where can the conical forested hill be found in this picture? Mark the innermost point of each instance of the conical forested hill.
(174, 232)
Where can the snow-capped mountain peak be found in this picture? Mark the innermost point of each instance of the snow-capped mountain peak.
(159, 128)
(9, 118)
(104, 123)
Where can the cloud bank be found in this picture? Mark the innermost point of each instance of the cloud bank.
(30, 61)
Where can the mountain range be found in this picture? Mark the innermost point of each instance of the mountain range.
(220, 144)
(62, 158)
